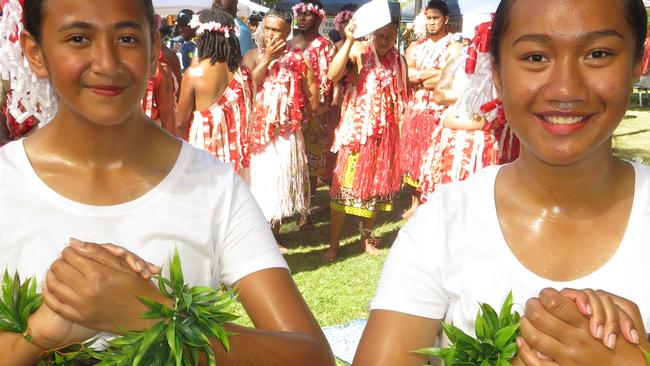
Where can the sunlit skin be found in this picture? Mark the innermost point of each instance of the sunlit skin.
(563, 207)
(98, 55)
(436, 23)
(383, 41)
(307, 21)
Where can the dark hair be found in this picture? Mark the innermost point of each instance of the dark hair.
(439, 5)
(284, 15)
(350, 7)
(313, 2)
(33, 11)
(635, 14)
(215, 45)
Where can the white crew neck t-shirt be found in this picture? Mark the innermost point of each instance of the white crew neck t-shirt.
(202, 207)
(452, 255)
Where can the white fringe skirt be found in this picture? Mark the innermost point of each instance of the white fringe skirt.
(279, 177)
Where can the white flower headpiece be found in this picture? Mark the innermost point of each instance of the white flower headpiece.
(308, 8)
(201, 28)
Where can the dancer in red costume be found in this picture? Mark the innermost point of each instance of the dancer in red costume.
(286, 96)
(216, 104)
(319, 51)
(426, 60)
(367, 174)
(465, 141)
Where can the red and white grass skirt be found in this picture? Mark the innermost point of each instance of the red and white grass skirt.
(457, 155)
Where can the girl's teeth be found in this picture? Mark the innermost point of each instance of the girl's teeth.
(563, 120)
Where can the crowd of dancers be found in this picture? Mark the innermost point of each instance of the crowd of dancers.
(301, 109)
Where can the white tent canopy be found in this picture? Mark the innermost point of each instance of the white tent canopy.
(172, 7)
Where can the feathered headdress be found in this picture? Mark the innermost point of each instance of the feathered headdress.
(30, 96)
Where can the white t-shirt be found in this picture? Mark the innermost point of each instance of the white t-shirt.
(201, 207)
(452, 255)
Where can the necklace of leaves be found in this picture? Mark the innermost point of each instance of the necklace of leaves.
(181, 335)
(495, 342)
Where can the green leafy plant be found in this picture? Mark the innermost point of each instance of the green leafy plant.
(495, 342)
(183, 331)
(19, 301)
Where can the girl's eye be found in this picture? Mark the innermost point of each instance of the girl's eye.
(597, 54)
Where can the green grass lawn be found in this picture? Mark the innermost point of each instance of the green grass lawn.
(341, 291)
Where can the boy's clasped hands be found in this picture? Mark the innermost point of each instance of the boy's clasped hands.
(93, 288)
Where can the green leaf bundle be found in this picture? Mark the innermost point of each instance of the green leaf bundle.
(495, 342)
(183, 331)
(19, 301)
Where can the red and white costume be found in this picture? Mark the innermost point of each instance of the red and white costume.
(222, 128)
(151, 101)
(459, 153)
(423, 114)
(30, 101)
(367, 171)
(278, 165)
(319, 54)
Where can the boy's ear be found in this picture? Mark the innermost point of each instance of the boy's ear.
(34, 55)
(155, 52)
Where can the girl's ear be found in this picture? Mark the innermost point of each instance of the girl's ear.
(496, 78)
(34, 55)
(155, 53)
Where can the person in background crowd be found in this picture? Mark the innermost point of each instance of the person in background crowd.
(245, 35)
(287, 95)
(338, 90)
(318, 51)
(100, 171)
(183, 45)
(566, 214)
(367, 173)
(465, 142)
(253, 22)
(216, 106)
(426, 59)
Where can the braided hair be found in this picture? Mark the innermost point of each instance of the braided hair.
(215, 45)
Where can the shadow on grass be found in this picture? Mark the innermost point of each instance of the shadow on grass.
(307, 246)
(632, 133)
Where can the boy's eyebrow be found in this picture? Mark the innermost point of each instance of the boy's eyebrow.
(86, 25)
(589, 36)
(127, 24)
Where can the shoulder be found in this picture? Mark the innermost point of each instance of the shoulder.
(201, 169)
(472, 196)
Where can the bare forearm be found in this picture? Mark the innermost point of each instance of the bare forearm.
(337, 67)
(260, 70)
(16, 351)
(428, 77)
(265, 347)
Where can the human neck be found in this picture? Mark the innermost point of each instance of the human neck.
(438, 36)
(309, 34)
(85, 143)
(573, 186)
